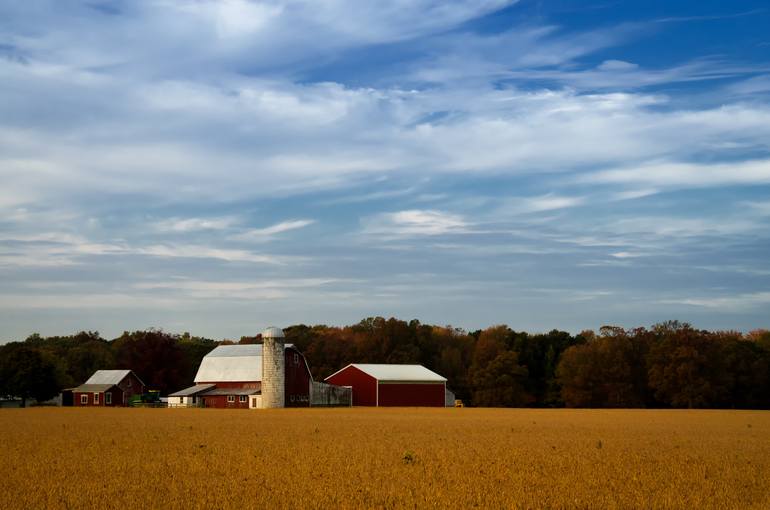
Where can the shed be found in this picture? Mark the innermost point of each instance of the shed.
(108, 388)
(392, 385)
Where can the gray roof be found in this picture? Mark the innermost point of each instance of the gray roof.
(92, 388)
(107, 376)
(192, 390)
(233, 391)
(390, 372)
(232, 363)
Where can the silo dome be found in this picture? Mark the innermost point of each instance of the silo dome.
(272, 332)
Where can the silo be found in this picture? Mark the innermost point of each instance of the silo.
(273, 373)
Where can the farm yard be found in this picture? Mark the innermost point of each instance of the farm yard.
(391, 458)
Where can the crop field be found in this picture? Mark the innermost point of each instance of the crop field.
(384, 458)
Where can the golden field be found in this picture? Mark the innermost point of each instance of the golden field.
(383, 458)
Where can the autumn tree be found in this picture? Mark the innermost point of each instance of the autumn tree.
(685, 367)
(501, 383)
(600, 372)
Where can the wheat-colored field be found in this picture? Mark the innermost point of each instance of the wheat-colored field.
(383, 458)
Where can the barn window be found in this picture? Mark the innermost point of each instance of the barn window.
(108, 398)
(243, 398)
(296, 358)
(84, 399)
(96, 398)
(231, 398)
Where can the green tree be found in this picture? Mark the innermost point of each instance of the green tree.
(26, 372)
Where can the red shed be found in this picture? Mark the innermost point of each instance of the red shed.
(392, 385)
(108, 388)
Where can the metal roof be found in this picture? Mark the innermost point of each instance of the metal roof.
(389, 372)
(92, 388)
(272, 332)
(107, 376)
(192, 390)
(233, 391)
(232, 363)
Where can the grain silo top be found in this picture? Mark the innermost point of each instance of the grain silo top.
(273, 332)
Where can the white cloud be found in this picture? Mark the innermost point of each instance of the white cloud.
(736, 303)
(206, 252)
(616, 65)
(415, 222)
(194, 224)
(686, 175)
(541, 203)
(259, 234)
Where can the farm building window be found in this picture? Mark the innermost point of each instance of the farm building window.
(108, 398)
(231, 398)
(243, 398)
(96, 398)
(84, 399)
(296, 358)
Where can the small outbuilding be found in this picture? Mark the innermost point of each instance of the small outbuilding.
(111, 388)
(392, 385)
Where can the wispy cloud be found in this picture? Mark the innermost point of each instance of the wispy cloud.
(194, 224)
(686, 175)
(261, 234)
(548, 202)
(736, 302)
(415, 222)
(206, 252)
(713, 17)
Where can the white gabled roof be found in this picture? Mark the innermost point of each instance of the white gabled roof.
(107, 376)
(388, 372)
(232, 363)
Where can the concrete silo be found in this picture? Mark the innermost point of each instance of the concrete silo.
(273, 369)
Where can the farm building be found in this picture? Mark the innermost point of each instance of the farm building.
(106, 388)
(392, 385)
(254, 376)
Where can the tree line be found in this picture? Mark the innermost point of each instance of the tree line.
(670, 364)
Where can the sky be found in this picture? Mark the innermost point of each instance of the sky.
(218, 166)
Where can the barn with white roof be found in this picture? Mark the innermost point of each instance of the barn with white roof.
(231, 376)
(392, 385)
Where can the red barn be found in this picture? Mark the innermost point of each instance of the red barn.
(108, 388)
(392, 385)
(230, 376)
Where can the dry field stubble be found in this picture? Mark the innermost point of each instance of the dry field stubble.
(392, 458)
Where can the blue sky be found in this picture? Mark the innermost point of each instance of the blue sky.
(219, 166)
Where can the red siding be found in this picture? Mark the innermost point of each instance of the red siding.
(364, 385)
(130, 386)
(220, 401)
(117, 397)
(411, 394)
(297, 381)
(89, 395)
